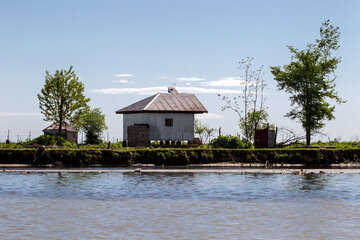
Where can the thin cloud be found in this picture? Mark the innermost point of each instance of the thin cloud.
(139, 91)
(124, 75)
(190, 79)
(153, 90)
(122, 81)
(225, 82)
(19, 114)
(208, 90)
(165, 77)
(209, 116)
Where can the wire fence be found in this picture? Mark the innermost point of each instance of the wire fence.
(21, 136)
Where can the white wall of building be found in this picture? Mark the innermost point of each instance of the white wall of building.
(182, 129)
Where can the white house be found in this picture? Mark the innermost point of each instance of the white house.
(163, 116)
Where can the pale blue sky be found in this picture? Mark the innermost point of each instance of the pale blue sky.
(160, 43)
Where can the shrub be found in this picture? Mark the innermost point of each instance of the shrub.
(116, 145)
(230, 142)
(48, 140)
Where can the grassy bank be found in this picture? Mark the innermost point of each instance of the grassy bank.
(62, 157)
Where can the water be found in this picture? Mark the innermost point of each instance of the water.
(178, 206)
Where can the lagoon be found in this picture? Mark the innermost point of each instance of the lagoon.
(129, 205)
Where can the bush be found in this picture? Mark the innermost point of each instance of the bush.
(230, 142)
(48, 140)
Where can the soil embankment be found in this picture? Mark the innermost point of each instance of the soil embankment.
(58, 157)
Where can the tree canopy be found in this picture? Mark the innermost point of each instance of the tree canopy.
(93, 125)
(62, 99)
(310, 80)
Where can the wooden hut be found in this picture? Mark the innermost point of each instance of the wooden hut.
(67, 132)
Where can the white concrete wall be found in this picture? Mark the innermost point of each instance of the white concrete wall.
(182, 129)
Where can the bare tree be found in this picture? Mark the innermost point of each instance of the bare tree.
(203, 131)
(249, 106)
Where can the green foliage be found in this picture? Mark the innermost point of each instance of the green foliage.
(93, 125)
(256, 118)
(230, 142)
(9, 145)
(155, 143)
(126, 157)
(62, 98)
(332, 144)
(116, 145)
(336, 144)
(48, 140)
(310, 80)
(203, 131)
(101, 144)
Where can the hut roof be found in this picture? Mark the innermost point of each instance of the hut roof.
(166, 102)
(65, 127)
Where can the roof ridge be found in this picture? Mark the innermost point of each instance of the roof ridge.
(156, 95)
(166, 102)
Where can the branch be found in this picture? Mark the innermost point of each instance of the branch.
(290, 137)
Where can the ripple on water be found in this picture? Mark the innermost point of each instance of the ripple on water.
(178, 206)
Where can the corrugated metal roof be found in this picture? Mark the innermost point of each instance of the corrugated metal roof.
(65, 127)
(167, 102)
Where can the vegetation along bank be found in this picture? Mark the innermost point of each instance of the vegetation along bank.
(66, 157)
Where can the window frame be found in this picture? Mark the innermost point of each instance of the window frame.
(169, 122)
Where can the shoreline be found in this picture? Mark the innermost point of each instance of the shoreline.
(282, 171)
(243, 158)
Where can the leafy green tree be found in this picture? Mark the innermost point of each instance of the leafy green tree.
(93, 125)
(255, 119)
(310, 80)
(62, 99)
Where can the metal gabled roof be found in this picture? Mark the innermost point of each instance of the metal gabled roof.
(65, 127)
(166, 102)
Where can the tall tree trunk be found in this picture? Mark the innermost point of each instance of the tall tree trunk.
(308, 137)
(60, 127)
(246, 102)
(61, 119)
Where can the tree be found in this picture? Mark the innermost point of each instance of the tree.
(93, 125)
(250, 106)
(255, 118)
(62, 99)
(203, 131)
(310, 80)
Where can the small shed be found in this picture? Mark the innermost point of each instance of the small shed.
(265, 138)
(67, 132)
(163, 116)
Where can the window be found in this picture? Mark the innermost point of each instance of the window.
(168, 122)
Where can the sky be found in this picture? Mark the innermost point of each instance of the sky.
(124, 51)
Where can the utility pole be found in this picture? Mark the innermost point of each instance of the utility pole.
(29, 135)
